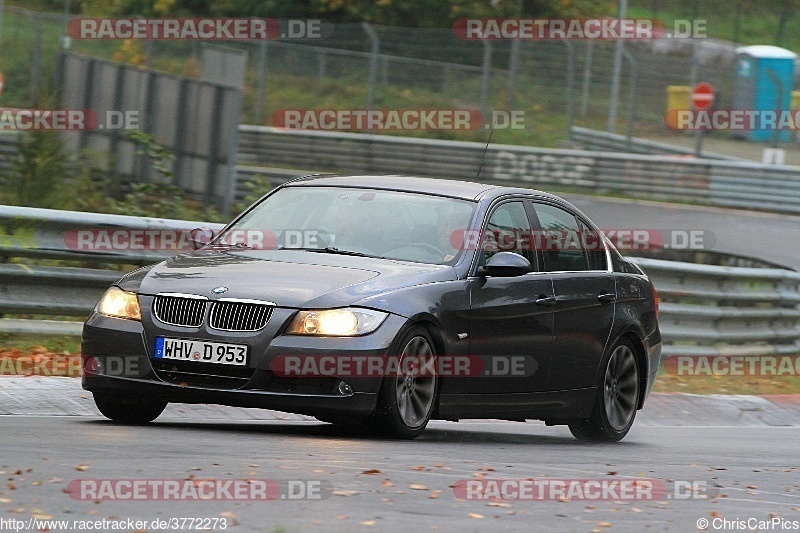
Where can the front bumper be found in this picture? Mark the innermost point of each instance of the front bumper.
(118, 359)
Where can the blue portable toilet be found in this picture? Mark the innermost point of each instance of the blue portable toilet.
(764, 82)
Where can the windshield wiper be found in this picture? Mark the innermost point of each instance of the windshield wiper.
(338, 251)
(331, 250)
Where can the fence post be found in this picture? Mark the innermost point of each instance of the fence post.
(631, 98)
(262, 74)
(214, 147)
(587, 76)
(373, 63)
(233, 150)
(37, 58)
(322, 65)
(179, 140)
(513, 64)
(612, 106)
(570, 87)
(487, 77)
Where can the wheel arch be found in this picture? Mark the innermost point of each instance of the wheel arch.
(641, 358)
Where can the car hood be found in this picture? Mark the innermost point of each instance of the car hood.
(288, 278)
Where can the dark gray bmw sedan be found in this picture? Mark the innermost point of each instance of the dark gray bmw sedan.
(387, 301)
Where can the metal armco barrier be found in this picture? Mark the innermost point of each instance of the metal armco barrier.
(91, 239)
(705, 309)
(720, 310)
(706, 181)
(613, 142)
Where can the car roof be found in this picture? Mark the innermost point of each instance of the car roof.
(467, 190)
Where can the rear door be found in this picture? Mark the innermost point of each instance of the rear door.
(575, 257)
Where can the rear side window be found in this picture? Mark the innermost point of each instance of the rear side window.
(594, 246)
(566, 243)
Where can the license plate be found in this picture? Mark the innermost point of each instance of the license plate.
(201, 351)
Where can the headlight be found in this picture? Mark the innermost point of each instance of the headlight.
(118, 303)
(336, 322)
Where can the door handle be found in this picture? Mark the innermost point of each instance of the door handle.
(546, 300)
(606, 298)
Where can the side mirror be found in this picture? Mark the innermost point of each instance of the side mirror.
(506, 265)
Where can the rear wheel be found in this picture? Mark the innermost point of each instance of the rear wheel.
(408, 398)
(617, 398)
(129, 410)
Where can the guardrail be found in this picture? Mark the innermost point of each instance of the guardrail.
(721, 310)
(604, 141)
(98, 240)
(713, 181)
(705, 309)
(705, 181)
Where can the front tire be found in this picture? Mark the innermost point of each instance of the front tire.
(128, 410)
(617, 398)
(408, 398)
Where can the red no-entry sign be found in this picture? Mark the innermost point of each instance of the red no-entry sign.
(702, 96)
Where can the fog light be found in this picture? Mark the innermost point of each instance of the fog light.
(345, 389)
(93, 366)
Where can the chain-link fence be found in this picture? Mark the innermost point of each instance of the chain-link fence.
(556, 83)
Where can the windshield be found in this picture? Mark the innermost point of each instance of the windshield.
(388, 224)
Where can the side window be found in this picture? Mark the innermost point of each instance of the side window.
(508, 230)
(561, 240)
(595, 248)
